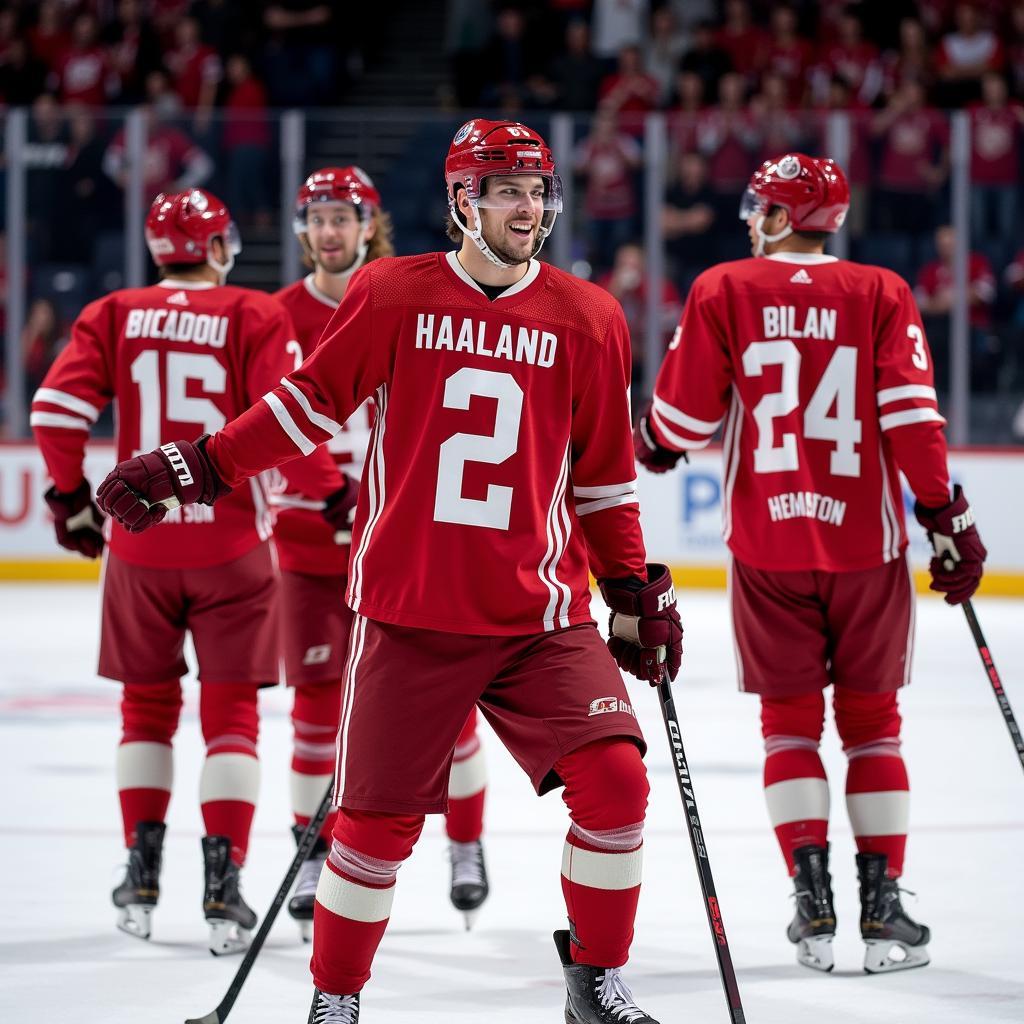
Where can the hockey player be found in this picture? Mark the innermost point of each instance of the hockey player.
(186, 354)
(499, 469)
(821, 372)
(341, 225)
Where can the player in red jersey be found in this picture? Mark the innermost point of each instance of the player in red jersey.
(820, 370)
(341, 225)
(188, 353)
(499, 471)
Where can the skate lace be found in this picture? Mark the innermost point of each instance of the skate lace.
(614, 994)
(467, 864)
(336, 1010)
(309, 876)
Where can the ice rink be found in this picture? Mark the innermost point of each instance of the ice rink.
(62, 960)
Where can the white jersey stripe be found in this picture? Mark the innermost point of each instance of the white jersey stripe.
(563, 514)
(886, 522)
(66, 401)
(605, 491)
(734, 429)
(913, 620)
(682, 419)
(687, 443)
(373, 475)
(556, 546)
(730, 586)
(288, 425)
(58, 419)
(325, 423)
(356, 639)
(887, 395)
(901, 419)
(602, 503)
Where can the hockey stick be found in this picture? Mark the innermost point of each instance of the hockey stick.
(700, 853)
(220, 1014)
(993, 678)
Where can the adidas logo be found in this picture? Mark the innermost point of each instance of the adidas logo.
(178, 299)
(801, 277)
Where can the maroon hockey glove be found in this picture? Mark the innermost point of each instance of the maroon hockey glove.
(139, 491)
(340, 509)
(646, 634)
(648, 452)
(77, 520)
(959, 557)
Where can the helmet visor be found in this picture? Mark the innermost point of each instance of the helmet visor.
(752, 205)
(363, 210)
(232, 239)
(512, 191)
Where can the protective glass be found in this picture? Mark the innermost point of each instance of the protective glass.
(509, 196)
(232, 239)
(752, 205)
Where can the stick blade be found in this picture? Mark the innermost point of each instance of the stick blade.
(211, 1018)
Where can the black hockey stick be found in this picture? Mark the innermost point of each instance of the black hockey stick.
(700, 853)
(993, 678)
(220, 1014)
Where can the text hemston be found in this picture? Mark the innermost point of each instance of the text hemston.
(479, 337)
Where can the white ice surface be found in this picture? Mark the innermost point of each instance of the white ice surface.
(61, 958)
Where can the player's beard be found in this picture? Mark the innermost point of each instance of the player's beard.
(336, 262)
(513, 257)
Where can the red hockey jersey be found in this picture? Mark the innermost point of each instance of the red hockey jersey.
(181, 358)
(304, 541)
(500, 463)
(820, 370)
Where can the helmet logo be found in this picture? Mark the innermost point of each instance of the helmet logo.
(363, 176)
(463, 133)
(789, 168)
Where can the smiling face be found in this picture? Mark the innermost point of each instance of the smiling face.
(511, 210)
(333, 232)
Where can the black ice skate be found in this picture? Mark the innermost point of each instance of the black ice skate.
(300, 906)
(138, 894)
(596, 995)
(814, 926)
(469, 879)
(894, 940)
(229, 917)
(333, 1009)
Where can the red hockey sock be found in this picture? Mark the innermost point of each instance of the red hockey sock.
(606, 793)
(353, 899)
(877, 787)
(467, 786)
(795, 785)
(145, 771)
(230, 780)
(315, 713)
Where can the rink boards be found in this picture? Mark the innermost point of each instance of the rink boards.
(682, 514)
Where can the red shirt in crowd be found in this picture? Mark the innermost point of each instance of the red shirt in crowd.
(791, 62)
(995, 143)
(608, 165)
(937, 277)
(191, 69)
(83, 76)
(728, 140)
(168, 152)
(911, 142)
(245, 123)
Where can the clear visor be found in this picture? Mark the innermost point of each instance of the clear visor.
(363, 212)
(232, 239)
(752, 205)
(511, 194)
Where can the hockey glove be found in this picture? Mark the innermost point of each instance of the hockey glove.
(959, 557)
(139, 491)
(646, 634)
(76, 520)
(340, 509)
(648, 452)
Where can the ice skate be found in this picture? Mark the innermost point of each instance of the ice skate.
(229, 917)
(138, 894)
(469, 879)
(894, 940)
(596, 995)
(333, 1009)
(814, 926)
(300, 906)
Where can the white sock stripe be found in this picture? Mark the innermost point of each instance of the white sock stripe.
(629, 837)
(145, 765)
(463, 750)
(888, 747)
(315, 751)
(365, 868)
(219, 742)
(777, 744)
(229, 777)
(468, 776)
(792, 800)
(879, 814)
(355, 902)
(308, 790)
(612, 871)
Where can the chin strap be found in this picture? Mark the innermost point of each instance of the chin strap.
(223, 269)
(477, 235)
(763, 239)
(342, 276)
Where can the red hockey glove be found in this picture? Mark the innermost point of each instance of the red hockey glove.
(340, 509)
(646, 632)
(76, 520)
(959, 554)
(648, 452)
(139, 491)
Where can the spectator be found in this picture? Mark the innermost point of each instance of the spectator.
(706, 58)
(1015, 49)
(576, 73)
(83, 74)
(911, 62)
(852, 59)
(300, 56)
(195, 71)
(630, 92)
(995, 167)
(45, 155)
(41, 340)
(965, 55)
(1013, 277)
(133, 50)
(781, 128)
(615, 24)
(22, 75)
(628, 282)
(507, 60)
(48, 39)
(787, 54)
(247, 143)
(687, 104)
(688, 221)
(742, 41)
(859, 171)
(728, 138)
(606, 160)
(662, 52)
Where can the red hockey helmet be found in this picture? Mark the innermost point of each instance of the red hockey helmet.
(180, 225)
(813, 189)
(336, 185)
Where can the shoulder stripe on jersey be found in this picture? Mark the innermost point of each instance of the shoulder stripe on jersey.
(288, 425)
(901, 419)
(58, 419)
(681, 419)
(66, 401)
(605, 491)
(374, 481)
(598, 504)
(318, 419)
(887, 395)
(677, 440)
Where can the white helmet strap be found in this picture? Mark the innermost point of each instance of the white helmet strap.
(543, 230)
(763, 238)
